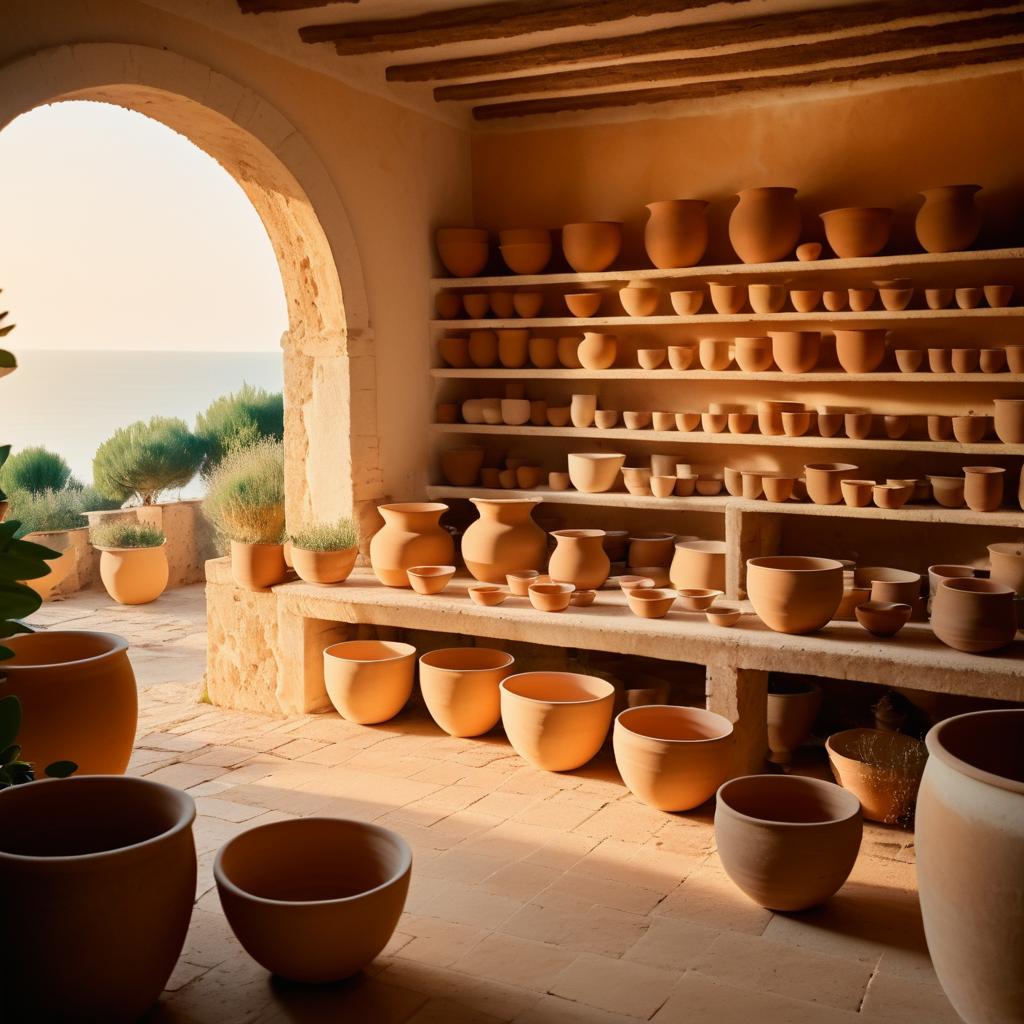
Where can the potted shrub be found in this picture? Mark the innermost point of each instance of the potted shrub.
(46, 518)
(133, 563)
(245, 503)
(325, 553)
(237, 421)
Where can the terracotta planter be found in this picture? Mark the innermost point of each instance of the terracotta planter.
(412, 535)
(324, 567)
(503, 539)
(1009, 420)
(765, 225)
(78, 698)
(1007, 560)
(463, 251)
(579, 558)
(134, 575)
(594, 473)
(460, 688)
(369, 681)
(673, 758)
(591, 246)
(948, 221)
(106, 869)
(983, 487)
(754, 355)
(857, 230)
(597, 351)
(969, 841)
(766, 298)
(860, 351)
(257, 566)
(314, 899)
(698, 564)
(676, 233)
(824, 481)
(974, 615)
(794, 593)
(791, 714)
(787, 841)
(796, 351)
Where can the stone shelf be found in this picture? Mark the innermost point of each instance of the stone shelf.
(776, 376)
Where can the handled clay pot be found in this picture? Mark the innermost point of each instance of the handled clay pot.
(676, 233)
(579, 558)
(765, 224)
(974, 615)
(505, 538)
(791, 713)
(949, 220)
(794, 593)
(412, 535)
(597, 351)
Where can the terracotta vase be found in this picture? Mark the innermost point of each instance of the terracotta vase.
(411, 535)
(257, 566)
(698, 564)
(969, 841)
(796, 351)
(324, 567)
(597, 351)
(857, 230)
(765, 224)
(134, 575)
(949, 220)
(676, 233)
(369, 681)
(860, 351)
(824, 481)
(503, 539)
(594, 472)
(78, 698)
(314, 899)
(791, 713)
(1007, 561)
(673, 758)
(983, 487)
(460, 688)
(794, 593)
(1009, 420)
(556, 720)
(788, 841)
(974, 615)
(579, 558)
(592, 246)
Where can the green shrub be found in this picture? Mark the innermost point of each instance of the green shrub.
(339, 536)
(126, 534)
(245, 497)
(46, 510)
(146, 458)
(238, 421)
(92, 501)
(35, 470)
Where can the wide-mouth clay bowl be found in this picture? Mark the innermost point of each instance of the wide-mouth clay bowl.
(697, 599)
(857, 230)
(584, 304)
(591, 246)
(595, 472)
(628, 583)
(526, 257)
(369, 681)
(460, 687)
(520, 581)
(314, 899)
(883, 618)
(794, 593)
(582, 598)
(489, 595)
(430, 579)
(550, 597)
(650, 602)
(723, 615)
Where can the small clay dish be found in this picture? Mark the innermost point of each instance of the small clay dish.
(686, 303)
(909, 360)
(584, 304)
(582, 598)
(634, 420)
(430, 579)
(650, 358)
(519, 582)
(723, 615)
(891, 496)
(697, 599)
(651, 602)
(628, 583)
(680, 357)
(551, 597)
(882, 618)
(487, 594)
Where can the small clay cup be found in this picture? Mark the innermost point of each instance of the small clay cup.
(940, 360)
(650, 358)
(909, 360)
(883, 618)
(551, 597)
(686, 303)
(487, 594)
(968, 298)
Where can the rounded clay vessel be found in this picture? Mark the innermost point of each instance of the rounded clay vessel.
(579, 558)
(369, 681)
(503, 539)
(460, 688)
(257, 566)
(974, 615)
(324, 567)
(134, 575)
(949, 220)
(794, 593)
(676, 233)
(765, 224)
(411, 535)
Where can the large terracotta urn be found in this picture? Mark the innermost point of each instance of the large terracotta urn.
(969, 840)
(97, 882)
(765, 224)
(579, 558)
(78, 698)
(504, 539)
(411, 535)
(676, 233)
(974, 615)
(949, 220)
(794, 593)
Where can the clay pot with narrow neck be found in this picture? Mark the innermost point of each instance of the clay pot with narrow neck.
(974, 615)
(411, 535)
(505, 538)
(579, 558)
(794, 593)
(792, 710)
(949, 220)
(597, 351)
(765, 224)
(969, 841)
(676, 233)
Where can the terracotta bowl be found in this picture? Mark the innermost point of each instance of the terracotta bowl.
(686, 303)
(314, 899)
(714, 353)
(966, 360)
(519, 582)
(663, 420)
(796, 351)
(687, 421)
(527, 304)
(460, 687)
(709, 487)
(650, 358)
(582, 598)
(369, 681)
(636, 419)
(795, 424)
(895, 295)
(550, 597)
(861, 299)
(740, 422)
(938, 298)
(558, 481)
(680, 357)
(697, 599)
(663, 486)
(520, 236)
(430, 579)
(857, 424)
(640, 301)
(888, 584)
(727, 298)
(605, 419)
(594, 473)
(558, 416)
(857, 230)
(724, 615)
(883, 618)
(591, 246)
(629, 583)
(794, 593)
(584, 304)
(909, 360)
(940, 360)
(891, 496)
(940, 428)
(824, 480)
(766, 298)
(448, 305)
(778, 488)
(968, 298)
(526, 257)
(476, 304)
(488, 595)
(805, 300)
(714, 422)
(650, 602)
(753, 354)
(998, 295)
(835, 299)
(463, 251)
(993, 360)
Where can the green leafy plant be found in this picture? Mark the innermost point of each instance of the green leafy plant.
(14, 771)
(35, 470)
(126, 535)
(91, 500)
(238, 421)
(339, 536)
(147, 458)
(245, 497)
(47, 510)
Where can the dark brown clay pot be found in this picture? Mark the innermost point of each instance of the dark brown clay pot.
(765, 224)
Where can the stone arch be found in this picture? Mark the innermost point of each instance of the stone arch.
(328, 350)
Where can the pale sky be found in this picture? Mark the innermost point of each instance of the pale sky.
(118, 233)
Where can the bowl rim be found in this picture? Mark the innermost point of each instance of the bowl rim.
(608, 695)
(115, 645)
(790, 781)
(715, 718)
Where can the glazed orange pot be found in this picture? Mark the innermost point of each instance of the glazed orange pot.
(324, 567)
(134, 575)
(974, 615)
(676, 233)
(369, 681)
(412, 535)
(949, 220)
(591, 246)
(460, 688)
(505, 538)
(104, 866)
(794, 593)
(579, 558)
(257, 566)
(765, 224)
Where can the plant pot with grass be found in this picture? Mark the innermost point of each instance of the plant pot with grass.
(325, 553)
(133, 561)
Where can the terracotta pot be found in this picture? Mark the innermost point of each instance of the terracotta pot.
(965, 360)
(974, 615)
(940, 428)
(754, 355)
(460, 688)
(791, 714)
(969, 840)
(605, 419)
(751, 485)
(676, 233)
(448, 305)
(723, 615)
(597, 351)
(488, 595)
(769, 416)
(938, 298)
(476, 304)
(526, 257)
(1015, 358)
(687, 422)
(502, 303)
(324, 567)
(727, 298)
(938, 573)
(568, 351)
(503, 539)
(460, 467)
(527, 304)
(741, 422)
(520, 581)
(714, 354)
(430, 579)
(463, 251)
(640, 300)
(765, 224)
(891, 496)
(789, 842)
(672, 758)
(592, 246)
(538, 412)
(968, 298)
(992, 360)
(971, 429)
(835, 299)
(582, 409)
(257, 566)
(895, 295)
(686, 303)
(796, 351)
(412, 535)
(796, 424)
(1009, 420)
(369, 681)
(105, 866)
(579, 558)
(883, 618)
(709, 487)
(861, 299)
(512, 347)
(636, 420)
(857, 230)
(594, 472)
(766, 298)
(515, 411)
(860, 351)
(134, 575)
(543, 352)
(948, 221)
(909, 359)
(584, 304)
(857, 424)
(651, 549)
(1007, 560)
(889, 585)
(454, 351)
(483, 348)
(998, 296)
(948, 490)
(824, 480)
(556, 720)
(794, 593)
(857, 493)
(650, 358)
(313, 899)
(650, 602)
(940, 360)
(713, 423)
(778, 488)
(663, 421)
(896, 426)
(698, 564)
(808, 252)
(805, 300)
(983, 487)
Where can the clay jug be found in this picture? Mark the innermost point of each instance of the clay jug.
(676, 233)
(765, 225)
(412, 535)
(504, 539)
(579, 558)
(948, 221)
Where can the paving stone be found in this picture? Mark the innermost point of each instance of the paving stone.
(616, 986)
(515, 961)
(895, 1000)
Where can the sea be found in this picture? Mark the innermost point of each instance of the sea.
(70, 401)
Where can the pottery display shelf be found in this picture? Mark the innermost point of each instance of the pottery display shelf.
(769, 376)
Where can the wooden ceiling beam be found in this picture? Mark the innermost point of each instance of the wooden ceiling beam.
(995, 28)
(279, 6)
(487, 21)
(760, 83)
(745, 32)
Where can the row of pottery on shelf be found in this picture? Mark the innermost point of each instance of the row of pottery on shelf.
(764, 227)
(261, 566)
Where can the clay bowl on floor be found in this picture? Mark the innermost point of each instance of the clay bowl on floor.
(794, 593)
(680, 357)
(883, 618)
(314, 899)
(460, 687)
(723, 615)
(650, 602)
(430, 579)
(584, 304)
(556, 721)
(672, 758)
(686, 303)
(857, 230)
(369, 681)
(697, 599)
(594, 473)
(789, 842)
(488, 595)
(550, 597)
